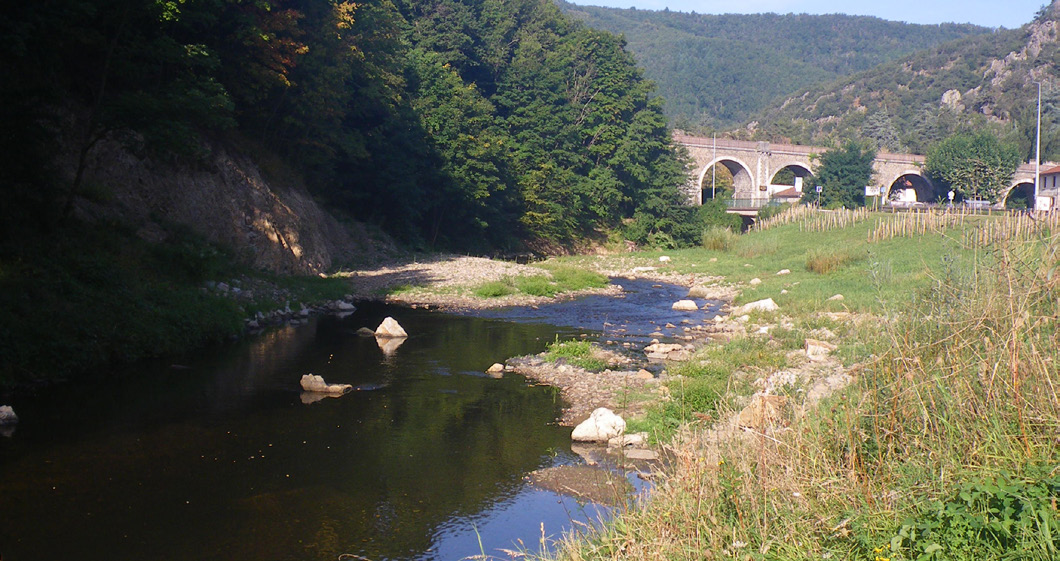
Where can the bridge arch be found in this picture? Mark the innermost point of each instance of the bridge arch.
(800, 169)
(1019, 195)
(742, 180)
(910, 186)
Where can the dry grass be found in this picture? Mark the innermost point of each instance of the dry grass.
(960, 386)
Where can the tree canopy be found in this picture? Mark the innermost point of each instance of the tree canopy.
(975, 166)
(471, 124)
(842, 175)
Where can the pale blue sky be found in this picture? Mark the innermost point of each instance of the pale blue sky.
(988, 13)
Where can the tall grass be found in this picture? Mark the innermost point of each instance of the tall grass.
(945, 447)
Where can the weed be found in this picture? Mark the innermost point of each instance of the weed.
(719, 239)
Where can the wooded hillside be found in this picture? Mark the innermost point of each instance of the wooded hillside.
(469, 124)
(719, 70)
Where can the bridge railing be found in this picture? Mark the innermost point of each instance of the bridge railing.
(751, 203)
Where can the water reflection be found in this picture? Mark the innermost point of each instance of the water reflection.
(221, 456)
(221, 459)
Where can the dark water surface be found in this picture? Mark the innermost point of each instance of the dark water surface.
(219, 457)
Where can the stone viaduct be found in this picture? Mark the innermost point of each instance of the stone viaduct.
(754, 167)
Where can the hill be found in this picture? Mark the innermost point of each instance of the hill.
(718, 70)
(982, 81)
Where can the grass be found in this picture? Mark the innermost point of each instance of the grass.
(943, 448)
(576, 353)
(560, 278)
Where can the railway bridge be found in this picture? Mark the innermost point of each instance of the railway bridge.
(755, 166)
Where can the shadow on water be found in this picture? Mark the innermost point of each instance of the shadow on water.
(219, 458)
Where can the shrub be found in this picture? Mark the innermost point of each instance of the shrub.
(719, 239)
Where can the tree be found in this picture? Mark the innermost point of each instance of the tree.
(843, 174)
(976, 166)
(880, 128)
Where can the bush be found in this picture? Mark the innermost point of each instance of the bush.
(719, 239)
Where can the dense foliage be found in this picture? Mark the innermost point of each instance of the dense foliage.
(974, 166)
(452, 123)
(719, 70)
(982, 82)
(842, 175)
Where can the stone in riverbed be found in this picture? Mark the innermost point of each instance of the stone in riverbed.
(316, 384)
(685, 306)
(601, 426)
(767, 305)
(496, 371)
(390, 328)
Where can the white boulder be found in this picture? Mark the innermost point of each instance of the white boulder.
(767, 305)
(755, 281)
(390, 328)
(685, 306)
(316, 384)
(601, 426)
(7, 415)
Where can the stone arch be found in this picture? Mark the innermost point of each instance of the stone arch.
(801, 171)
(911, 180)
(742, 179)
(1018, 196)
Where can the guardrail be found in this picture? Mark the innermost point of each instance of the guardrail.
(751, 203)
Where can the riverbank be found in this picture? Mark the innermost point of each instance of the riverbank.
(938, 348)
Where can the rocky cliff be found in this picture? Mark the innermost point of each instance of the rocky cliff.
(268, 219)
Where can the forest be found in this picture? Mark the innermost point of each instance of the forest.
(717, 71)
(462, 124)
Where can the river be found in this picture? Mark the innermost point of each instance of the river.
(218, 455)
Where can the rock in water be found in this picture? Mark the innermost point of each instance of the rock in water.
(685, 306)
(496, 371)
(7, 415)
(390, 328)
(314, 383)
(601, 426)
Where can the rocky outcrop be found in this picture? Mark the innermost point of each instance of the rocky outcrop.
(269, 219)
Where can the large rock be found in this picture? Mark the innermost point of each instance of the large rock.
(667, 351)
(316, 384)
(601, 426)
(767, 305)
(7, 415)
(390, 328)
(685, 306)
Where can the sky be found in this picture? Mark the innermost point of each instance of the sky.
(988, 13)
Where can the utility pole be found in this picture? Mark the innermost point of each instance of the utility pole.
(714, 169)
(1038, 148)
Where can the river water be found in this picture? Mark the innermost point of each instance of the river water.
(218, 455)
